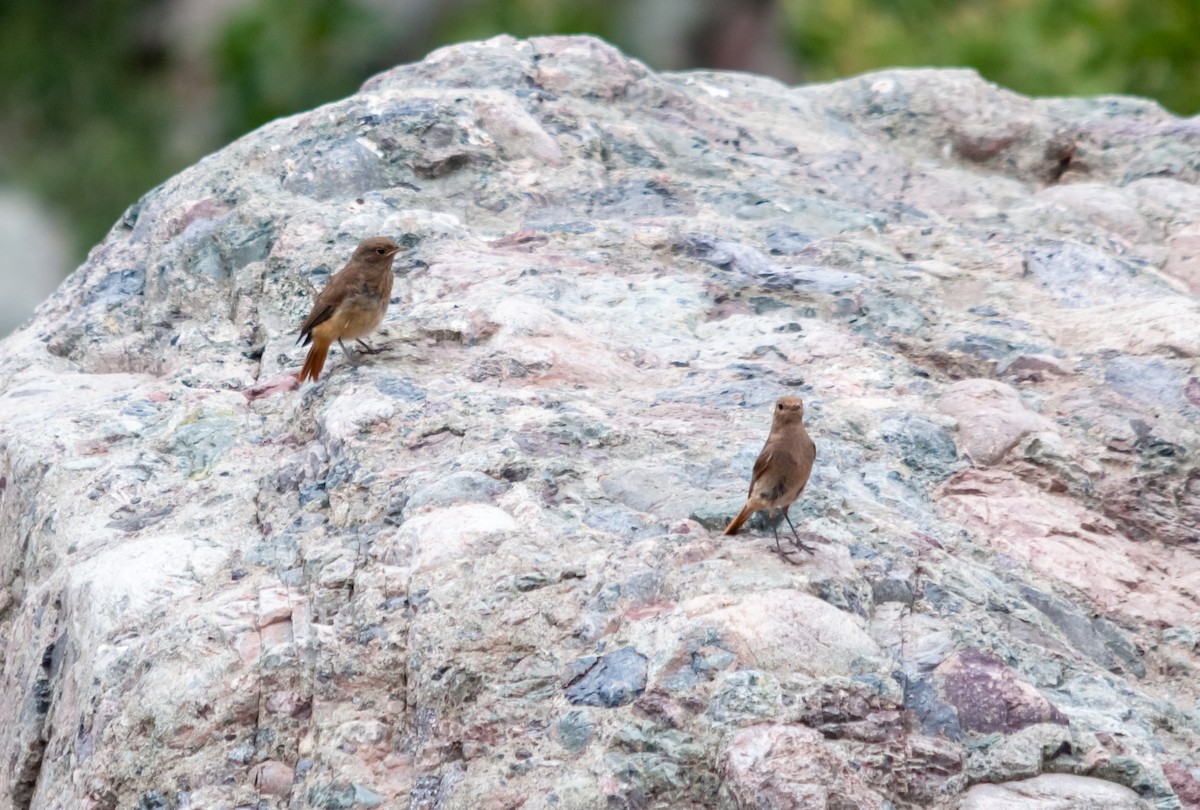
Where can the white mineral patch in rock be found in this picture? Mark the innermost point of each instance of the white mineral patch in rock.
(354, 412)
(516, 132)
(444, 537)
(1165, 326)
(1052, 791)
(786, 631)
(118, 585)
(1112, 209)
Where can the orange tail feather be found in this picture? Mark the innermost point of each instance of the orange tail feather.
(736, 524)
(315, 361)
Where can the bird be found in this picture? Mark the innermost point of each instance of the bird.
(352, 304)
(781, 471)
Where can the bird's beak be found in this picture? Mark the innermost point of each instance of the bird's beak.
(395, 250)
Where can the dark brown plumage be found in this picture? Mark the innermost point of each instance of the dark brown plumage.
(782, 469)
(352, 304)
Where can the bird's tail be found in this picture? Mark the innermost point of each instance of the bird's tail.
(315, 361)
(736, 524)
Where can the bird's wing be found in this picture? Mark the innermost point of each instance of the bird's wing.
(760, 466)
(320, 313)
(808, 454)
(325, 304)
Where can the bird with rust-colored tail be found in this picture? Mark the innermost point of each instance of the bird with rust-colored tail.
(781, 471)
(352, 304)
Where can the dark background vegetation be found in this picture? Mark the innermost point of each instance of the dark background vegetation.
(100, 100)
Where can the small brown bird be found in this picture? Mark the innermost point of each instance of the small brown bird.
(782, 469)
(352, 304)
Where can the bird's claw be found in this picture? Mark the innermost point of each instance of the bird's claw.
(785, 555)
(803, 547)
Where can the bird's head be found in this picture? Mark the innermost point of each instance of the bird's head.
(376, 249)
(789, 410)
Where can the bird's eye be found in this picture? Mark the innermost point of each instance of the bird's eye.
(380, 251)
(779, 407)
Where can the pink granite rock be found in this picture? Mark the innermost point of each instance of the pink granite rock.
(788, 767)
(1076, 548)
(991, 419)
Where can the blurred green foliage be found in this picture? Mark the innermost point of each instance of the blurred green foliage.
(83, 103)
(1037, 47)
(279, 57)
(100, 99)
(479, 19)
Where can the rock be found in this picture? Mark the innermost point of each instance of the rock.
(1158, 326)
(202, 438)
(933, 769)
(771, 765)
(924, 446)
(1150, 381)
(933, 714)
(652, 489)
(1023, 753)
(1050, 792)
(272, 778)
(991, 419)
(443, 536)
(715, 517)
(744, 695)
(1031, 368)
(1183, 258)
(1185, 782)
(484, 567)
(663, 762)
(1096, 637)
(777, 630)
(574, 730)
(1077, 276)
(610, 680)
(1114, 210)
(989, 697)
(1073, 545)
(466, 485)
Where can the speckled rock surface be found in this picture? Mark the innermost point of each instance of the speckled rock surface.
(483, 569)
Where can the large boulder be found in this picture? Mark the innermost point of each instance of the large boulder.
(483, 568)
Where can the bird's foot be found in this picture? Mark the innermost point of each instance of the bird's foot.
(806, 548)
(801, 544)
(797, 542)
(786, 556)
(351, 356)
(368, 349)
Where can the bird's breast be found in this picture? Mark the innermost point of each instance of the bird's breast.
(355, 317)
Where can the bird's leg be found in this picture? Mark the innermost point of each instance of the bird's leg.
(797, 543)
(778, 548)
(351, 356)
(366, 348)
